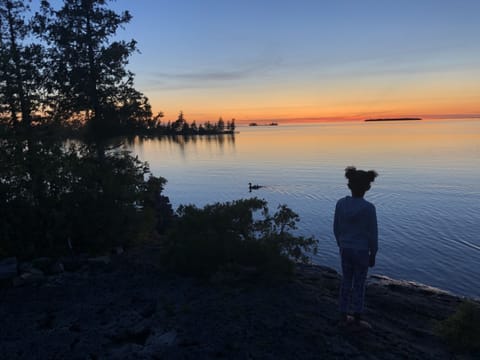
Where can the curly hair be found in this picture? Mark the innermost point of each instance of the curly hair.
(359, 180)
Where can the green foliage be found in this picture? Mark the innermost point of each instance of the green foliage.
(51, 196)
(241, 232)
(462, 330)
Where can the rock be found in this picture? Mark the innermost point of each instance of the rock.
(72, 263)
(24, 267)
(152, 314)
(234, 273)
(167, 339)
(404, 285)
(103, 260)
(137, 334)
(117, 250)
(56, 268)
(46, 321)
(8, 268)
(36, 276)
(43, 263)
(35, 272)
(155, 344)
(149, 310)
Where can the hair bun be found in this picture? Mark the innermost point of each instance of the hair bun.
(350, 172)
(372, 174)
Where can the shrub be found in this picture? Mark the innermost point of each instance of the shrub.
(52, 197)
(241, 232)
(462, 330)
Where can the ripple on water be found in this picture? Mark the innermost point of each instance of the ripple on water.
(427, 195)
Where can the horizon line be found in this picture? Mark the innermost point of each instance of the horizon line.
(352, 118)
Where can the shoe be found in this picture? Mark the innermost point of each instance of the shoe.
(346, 320)
(359, 323)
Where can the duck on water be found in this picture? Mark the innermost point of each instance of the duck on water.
(253, 187)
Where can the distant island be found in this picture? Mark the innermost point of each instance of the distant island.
(270, 124)
(394, 119)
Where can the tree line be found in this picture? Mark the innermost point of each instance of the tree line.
(182, 127)
(62, 68)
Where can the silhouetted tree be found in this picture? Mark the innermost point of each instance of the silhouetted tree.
(193, 127)
(178, 124)
(208, 126)
(156, 121)
(20, 64)
(220, 125)
(185, 128)
(89, 75)
(231, 125)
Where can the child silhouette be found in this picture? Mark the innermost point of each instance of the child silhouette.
(355, 229)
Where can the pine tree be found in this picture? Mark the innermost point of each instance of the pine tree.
(20, 65)
(89, 78)
(220, 125)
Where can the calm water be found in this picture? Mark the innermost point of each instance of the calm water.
(427, 195)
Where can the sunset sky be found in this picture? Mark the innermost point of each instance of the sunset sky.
(306, 59)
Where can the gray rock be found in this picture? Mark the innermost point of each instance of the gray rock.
(137, 334)
(117, 250)
(72, 263)
(24, 267)
(404, 285)
(36, 276)
(43, 263)
(35, 272)
(56, 268)
(156, 344)
(167, 339)
(8, 268)
(101, 260)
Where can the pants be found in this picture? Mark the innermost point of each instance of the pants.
(352, 288)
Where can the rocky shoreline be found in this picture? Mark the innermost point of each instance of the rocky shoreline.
(127, 307)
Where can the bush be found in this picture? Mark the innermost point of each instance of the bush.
(462, 330)
(241, 232)
(52, 197)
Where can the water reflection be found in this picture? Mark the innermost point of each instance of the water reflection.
(182, 140)
(183, 143)
(427, 196)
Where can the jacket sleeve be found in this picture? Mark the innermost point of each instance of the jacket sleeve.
(373, 240)
(336, 225)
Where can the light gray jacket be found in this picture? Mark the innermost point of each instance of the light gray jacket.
(355, 224)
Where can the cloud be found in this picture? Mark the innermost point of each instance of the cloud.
(206, 76)
(213, 77)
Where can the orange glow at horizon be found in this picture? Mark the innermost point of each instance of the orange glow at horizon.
(310, 97)
(297, 114)
(305, 102)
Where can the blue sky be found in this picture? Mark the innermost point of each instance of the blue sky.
(306, 59)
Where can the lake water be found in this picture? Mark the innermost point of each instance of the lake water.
(427, 194)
